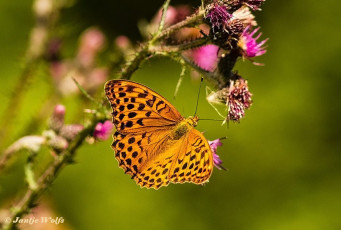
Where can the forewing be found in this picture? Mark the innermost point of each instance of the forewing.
(137, 107)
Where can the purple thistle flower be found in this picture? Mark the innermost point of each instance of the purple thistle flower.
(217, 162)
(218, 16)
(239, 99)
(103, 130)
(248, 44)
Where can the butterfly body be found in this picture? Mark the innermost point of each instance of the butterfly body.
(184, 127)
(153, 143)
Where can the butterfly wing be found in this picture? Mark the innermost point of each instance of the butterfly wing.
(143, 146)
(194, 162)
(143, 120)
(189, 159)
(137, 108)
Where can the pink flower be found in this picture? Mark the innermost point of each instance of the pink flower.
(239, 99)
(103, 130)
(205, 57)
(217, 162)
(248, 44)
(218, 16)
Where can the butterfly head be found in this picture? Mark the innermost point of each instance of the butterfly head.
(192, 121)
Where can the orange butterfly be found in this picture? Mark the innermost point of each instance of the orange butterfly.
(153, 142)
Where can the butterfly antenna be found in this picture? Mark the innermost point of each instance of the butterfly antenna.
(204, 119)
(196, 107)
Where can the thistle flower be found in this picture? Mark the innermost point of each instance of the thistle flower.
(225, 29)
(103, 130)
(245, 16)
(217, 16)
(239, 99)
(248, 43)
(217, 162)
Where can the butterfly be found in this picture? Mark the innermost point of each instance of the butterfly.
(153, 143)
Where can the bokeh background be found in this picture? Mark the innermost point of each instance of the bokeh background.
(283, 158)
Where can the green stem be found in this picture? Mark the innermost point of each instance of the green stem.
(181, 47)
(162, 21)
(50, 174)
(29, 173)
(189, 21)
(134, 64)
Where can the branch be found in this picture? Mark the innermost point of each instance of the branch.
(148, 49)
(46, 179)
(163, 17)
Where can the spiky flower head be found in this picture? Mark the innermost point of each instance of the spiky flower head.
(249, 45)
(245, 16)
(235, 28)
(217, 16)
(239, 99)
(217, 162)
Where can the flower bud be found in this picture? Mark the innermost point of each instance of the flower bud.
(69, 132)
(57, 118)
(58, 143)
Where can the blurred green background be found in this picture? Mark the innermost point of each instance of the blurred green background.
(283, 158)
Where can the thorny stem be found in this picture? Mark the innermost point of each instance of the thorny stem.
(191, 20)
(148, 49)
(45, 180)
(181, 47)
(163, 17)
